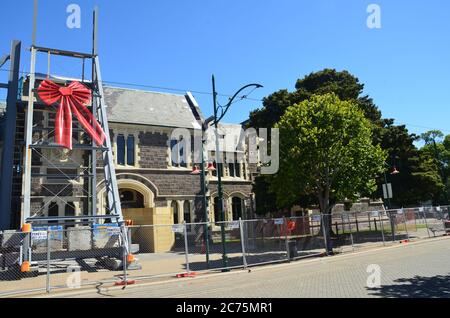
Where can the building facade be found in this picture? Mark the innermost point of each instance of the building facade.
(154, 186)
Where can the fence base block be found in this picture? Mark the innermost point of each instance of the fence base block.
(125, 283)
(191, 274)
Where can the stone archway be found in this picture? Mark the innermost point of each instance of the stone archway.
(129, 181)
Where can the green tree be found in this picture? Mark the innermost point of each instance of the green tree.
(343, 84)
(327, 151)
(436, 152)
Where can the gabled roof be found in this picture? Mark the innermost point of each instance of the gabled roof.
(140, 107)
(149, 108)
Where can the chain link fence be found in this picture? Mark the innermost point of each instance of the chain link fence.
(59, 257)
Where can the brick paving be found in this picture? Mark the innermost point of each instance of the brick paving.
(410, 270)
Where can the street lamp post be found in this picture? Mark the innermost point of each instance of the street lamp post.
(388, 197)
(217, 119)
(204, 187)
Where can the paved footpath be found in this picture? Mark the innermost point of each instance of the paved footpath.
(412, 270)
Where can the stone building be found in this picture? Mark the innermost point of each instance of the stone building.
(154, 187)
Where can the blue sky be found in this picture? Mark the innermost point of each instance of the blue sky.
(405, 65)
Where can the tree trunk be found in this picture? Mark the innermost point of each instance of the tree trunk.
(326, 224)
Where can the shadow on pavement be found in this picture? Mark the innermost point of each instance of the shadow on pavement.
(417, 287)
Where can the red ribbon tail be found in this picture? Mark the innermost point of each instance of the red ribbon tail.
(63, 124)
(88, 122)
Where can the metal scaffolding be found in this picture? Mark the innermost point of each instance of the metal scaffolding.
(35, 148)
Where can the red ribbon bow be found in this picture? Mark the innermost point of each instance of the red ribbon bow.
(72, 99)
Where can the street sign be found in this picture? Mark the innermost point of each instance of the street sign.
(387, 191)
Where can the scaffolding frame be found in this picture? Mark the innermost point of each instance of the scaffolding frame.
(98, 108)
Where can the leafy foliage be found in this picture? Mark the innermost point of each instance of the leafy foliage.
(326, 151)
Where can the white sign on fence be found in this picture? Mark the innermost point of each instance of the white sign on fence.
(39, 235)
(233, 225)
(178, 228)
(279, 221)
(315, 218)
(375, 214)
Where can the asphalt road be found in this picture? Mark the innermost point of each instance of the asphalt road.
(411, 270)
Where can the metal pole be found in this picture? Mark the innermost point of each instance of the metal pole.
(219, 179)
(426, 223)
(186, 248)
(9, 131)
(382, 227)
(241, 230)
(48, 261)
(35, 14)
(404, 221)
(387, 191)
(26, 190)
(124, 255)
(95, 105)
(286, 239)
(205, 203)
(351, 232)
(392, 218)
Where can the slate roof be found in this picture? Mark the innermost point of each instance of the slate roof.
(149, 108)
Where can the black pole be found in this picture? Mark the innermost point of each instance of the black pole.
(7, 160)
(219, 180)
(204, 203)
(391, 219)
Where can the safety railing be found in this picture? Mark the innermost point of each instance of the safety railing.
(62, 257)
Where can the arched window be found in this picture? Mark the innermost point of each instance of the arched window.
(236, 204)
(127, 196)
(174, 206)
(187, 211)
(69, 210)
(53, 211)
(216, 210)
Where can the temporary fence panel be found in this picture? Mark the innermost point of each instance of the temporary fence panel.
(369, 228)
(341, 233)
(71, 257)
(83, 255)
(17, 275)
(303, 240)
(265, 241)
(159, 250)
(225, 245)
(437, 219)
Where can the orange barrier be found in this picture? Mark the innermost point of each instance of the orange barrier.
(25, 267)
(130, 258)
(26, 228)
